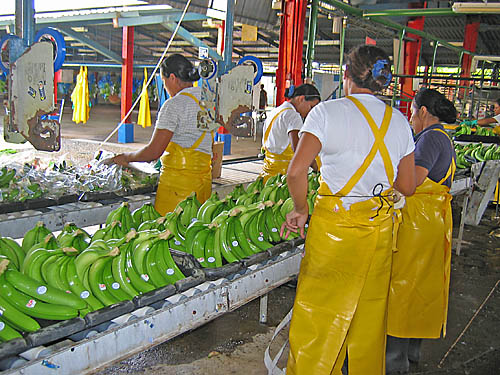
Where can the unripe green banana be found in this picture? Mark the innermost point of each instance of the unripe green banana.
(35, 235)
(76, 286)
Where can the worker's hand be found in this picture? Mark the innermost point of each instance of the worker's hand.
(295, 222)
(470, 122)
(120, 159)
(496, 130)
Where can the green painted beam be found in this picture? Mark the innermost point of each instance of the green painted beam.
(393, 25)
(410, 12)
(91, 44)
(311, 37)
(156, 19)
(187, 36)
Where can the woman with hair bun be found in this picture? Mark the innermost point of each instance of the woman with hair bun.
(186, 165)
(366, 150)
(281, 130)
(418, 299)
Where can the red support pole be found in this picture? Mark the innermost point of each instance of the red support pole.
(290, 62)
(412, 50)
(127, 71)
(470, 41)
(57, 78)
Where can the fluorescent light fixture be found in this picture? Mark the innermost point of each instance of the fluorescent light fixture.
(476, 8)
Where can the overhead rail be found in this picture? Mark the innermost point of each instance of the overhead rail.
(393, 25)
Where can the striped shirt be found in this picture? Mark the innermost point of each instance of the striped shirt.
(179, 115)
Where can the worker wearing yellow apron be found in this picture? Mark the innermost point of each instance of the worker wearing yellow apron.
(341, 301)
(183, 171)
(418, 299)
(186, 164)
(280, 133)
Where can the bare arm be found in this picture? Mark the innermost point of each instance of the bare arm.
(152, 151)
(487, 121)
(309, 146)
(405, 180)
(420, 174)
(293, 136)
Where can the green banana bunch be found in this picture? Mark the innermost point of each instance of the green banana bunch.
(257, 185)
(70, 228)
(273, 180)
(7, 332)
(159, 263)
(90, 255)
(12, 250)
(78, 239)
(16, 318)
(34, 236)
(6, 176)
(145, 213)
(29, 305)
(157, 224)
(122, 214)
(237, 191)
(97, 274)
(210, 209)
(190, 207)
(48, 243)
(45, 293)
(171, 224)
(113, 230)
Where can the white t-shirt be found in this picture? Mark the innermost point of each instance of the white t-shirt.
(497, 118)
(287, 121)
(179, 114)
(346, 140)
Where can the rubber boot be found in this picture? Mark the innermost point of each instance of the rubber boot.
(396, 357)
(414, 350)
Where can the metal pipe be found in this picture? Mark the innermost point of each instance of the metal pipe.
(29, 22)
(436, 45)
(396, 67)
(409, 12)
(103, 65)
(18, 20)
(459, 73)
(393, 25)
(311, 37)
(341, 62)
(228, 35)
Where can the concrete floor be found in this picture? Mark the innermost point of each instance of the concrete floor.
(104, 118)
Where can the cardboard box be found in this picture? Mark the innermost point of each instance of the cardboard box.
(217, 150)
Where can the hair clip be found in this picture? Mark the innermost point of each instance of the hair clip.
(377, 71)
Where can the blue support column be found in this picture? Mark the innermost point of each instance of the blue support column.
(228, 35)
(29, 21)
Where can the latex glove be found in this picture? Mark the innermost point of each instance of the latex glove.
(470, 122)
(496, 130)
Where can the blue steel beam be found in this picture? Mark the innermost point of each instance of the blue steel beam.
(228, 35)
(91, 44)
(187, 36)
(156, 19)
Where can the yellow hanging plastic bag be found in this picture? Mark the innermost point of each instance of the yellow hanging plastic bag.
(144, 118)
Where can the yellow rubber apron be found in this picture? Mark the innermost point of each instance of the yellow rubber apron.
(183, 171)
(418, 298)
(341, 299)
(275, 163)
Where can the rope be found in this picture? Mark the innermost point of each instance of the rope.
(144, 88)
(468, 324)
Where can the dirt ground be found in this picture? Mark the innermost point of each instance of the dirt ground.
(235, 342)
